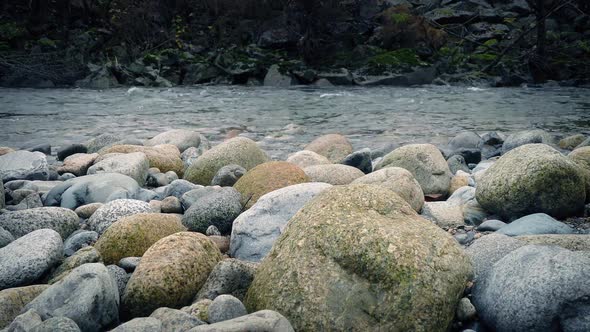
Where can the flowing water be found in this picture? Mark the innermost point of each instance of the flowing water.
(284, 120)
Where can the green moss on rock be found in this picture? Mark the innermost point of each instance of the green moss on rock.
(165, 157)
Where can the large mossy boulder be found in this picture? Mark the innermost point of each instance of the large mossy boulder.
(335, 147)
(533, 178)
(131, 236)
(170, 273)
(240, 151)
(425, 162)
(581, 156)
(359, 258)
(268, 177)
(13, 300)
(165, 157)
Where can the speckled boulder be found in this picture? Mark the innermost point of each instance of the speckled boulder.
(335, 147)
(181, 138)
(79, 240)
(425, 162)
(83, 256)
(268, 177)
(398, 180)
(132, 235)
(23, 165)
(165, 157)
(533, 178)
(77, 164)
(334, 174)
(13, 300)
(211, 206)
(581, 156)
(239, 151)
(19, 223)
(107, 214)
(571, 142)
(526, 137)
(358, 257)
(135, 165)
(170, 273)
(307, 158)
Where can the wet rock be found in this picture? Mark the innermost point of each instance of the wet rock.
(571, 142)
(217, 206)
(181, 138)
(538, 223)
(160, 280)
(106, 215)
(467, 139)
(23, 165)
(79, 240)
(255, 231)
(526, 137)
(165, 157)
(13, 300)
(228, 175)
(44, 148)
(230, 276)
(307, 158)
(20, 223)
(129, 263)
(135, 165)
(348, 235)
(177, 188)
(236, 151)
(491, 225)
(77, 164)
(275, 78)
(360, 159)
(2, 195)
(175, 320)
(335, 147)
(488, 250)
(70, 150)
(225, 307)
(457, 163)
(492, 138)
(334, 174)
(529, 179)
(86, 211)
(88, 295)
(133, 235)
(264, 320)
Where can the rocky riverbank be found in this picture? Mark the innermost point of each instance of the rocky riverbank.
(107, 44)
(486, 233)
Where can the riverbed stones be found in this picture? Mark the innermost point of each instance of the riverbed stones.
(2, 195)
(211, 206)
(538, 223)
(165, 157)
(377, 254)
(133, 235)
(135, 165)
(96, 188)
(488, 250)
(307, 158)
(88, 295)
(255, 231)
(225, 307)
(491, 225)
(506, 300)
(526, 137)
(425, 162)
(360, 159)
(335, 147)
(263, 320)
(170, 273)
(571, 142)
(13, 300)
(573, 242)
(19, 223)
(61, 324)
(335, 174)
(533, 178)
(101, 141)
(181, 138)
(466, 140)
(171, 205)
(77, 164)
(581, 156)
(143, 324)
(78, 240)
(23, 165)
(236, 151)
(443, 214)
(69, 150)
(457, 163)
(398, 180)
(228, 175)
(174, 320)
(83, 256)
(107, 214)
(230, 276)
(268, 177)
(26, 259)
(5, 237)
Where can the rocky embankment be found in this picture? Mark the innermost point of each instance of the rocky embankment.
(487, 233)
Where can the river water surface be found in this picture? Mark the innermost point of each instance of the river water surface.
(284, 120)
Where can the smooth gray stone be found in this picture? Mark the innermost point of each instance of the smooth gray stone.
(175, 320)
(177, 188)
(26, 259)
(466, 139)
(360, 159)
(120, 275)
(79, 240)
(30, 202)
(228, 175)
(260, 321)
(226, 307)
(230, 276)
(181, 138)
(491, 225)
(489, 249)
(134, 165)
(462, 195)
(142, 324)
(88, 295)
(23, 165)
(536, 288)
(457, 163)
(19, 223)
(527, 137)
(112, 211)
(129, 263)
(101, 141)
(69, 150)
(45, 148)
(61, 324)
(217, 206)
(25, 322)
(5, 237)
(538, 223)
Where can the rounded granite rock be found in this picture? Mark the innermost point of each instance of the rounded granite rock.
(307, 158)
(181, 138)
(335, 174)
(165, 157)
(211, 206)
(19, 223)
(107, 214)
(335, 147)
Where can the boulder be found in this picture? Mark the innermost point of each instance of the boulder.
(573, 242)
(170, 273)
(106, 215)
(97, 188)
(335, 174)
(29, 202)
(236, 151)
(255, 231)
(571, 142)
(398, 180)
(175, 320)
(86, 211)
(44, 147)
(83, 256)
(25, 322)
(526, 137)
(133, 235)
(360, 159)
(307, 158)
(135, 165)
(165, 157)
(425, 162)
(61, 324)
(13, 300)
(77, 164)
(26, 259)
(69, 150)
(19, 223)
(581, 156)
(217, 206)
(466, 139)
(488, 250)
(181, 138)
(171, 205)
(199, 309)
(536, 288)
(457, 163)
(23, 165)
(458, 181)
(335, 147)
(264, 320)
(230, 276)
(102, 141)
(491, 225)
(268, 177)
(177, 188)
(79, 240)
(225, 307)
(129, 264)
(88, 296)
(358, 257)
(538, 223)
(228, 175)
(443, 214)
(5, 237)
(529, 179)
(142, 324)
(120, 276)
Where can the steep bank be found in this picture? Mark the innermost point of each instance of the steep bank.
(377, 42)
